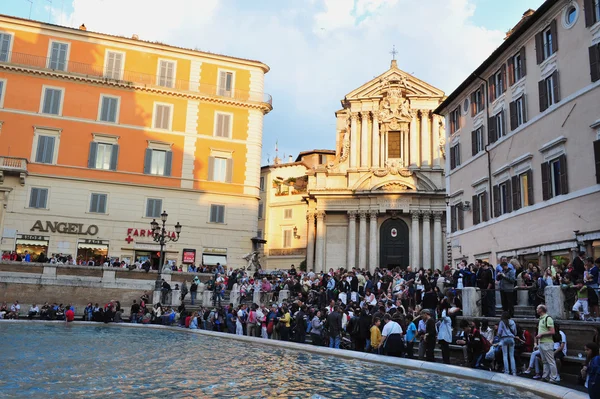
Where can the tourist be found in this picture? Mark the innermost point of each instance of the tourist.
(184, 290)
(392, 337)
(544, 337)
(69, 314)
(15, 308)
(301, 325)
(33, 311)
(164, 291)
(507, 330)
(376, 338)
(316, 329)
(591, 371)
(194, 290)
(135, 309)
(194, 321)
(44, 311)
(485, 282)
(334, 323)
(444, 336)
(284, 324)
(430, 336)
(581, 306)
(507, 288)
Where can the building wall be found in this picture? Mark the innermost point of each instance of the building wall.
(188, 191)
(566, 128)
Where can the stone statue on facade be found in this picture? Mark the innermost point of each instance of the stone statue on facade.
(253, 261)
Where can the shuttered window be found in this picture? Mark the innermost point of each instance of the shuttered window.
(455, 156)
(287, 238)
(162, 116)
(522, 190)
(477, 144)
(114, 65)
(5, 40)
(456, 217)
(549, 91)
(517, 112)
(52, 101)
(109, 108)
(220, 169)
(45, 149)
(546, 42)
(153, 207)
(38, 198)
(217, 213)
(480, 213)
(555, 178)
(496, 127)
(592, 12)
(516, 67)
(597, 158)
(58, 56)
(1, 91)
(222, 125)
(98, 203)
(260, 210)
(287, 214)
(225, 84)
(455, 120)
(158, 162)
(594, 52)
(477, 103)
(166, 73)
(262, 183)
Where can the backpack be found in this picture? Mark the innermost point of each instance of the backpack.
(485, 344)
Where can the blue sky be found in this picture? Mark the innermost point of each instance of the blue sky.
(318, 50)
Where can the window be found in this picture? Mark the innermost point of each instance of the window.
(322, 159)
(393, 145)
(480, 213)
(262, 183)
(52, 101)
(570, 16)
(549, 91)
(113, 68)
(595, 62)
(162, 116)
(287, 214)
(516, 67)
(554, 177)
(5, 41)
(98, 203)
(225, 84)
(455, 120)
(166, 73)
(498, 84)
(45, 149)
(456, 217)
(109, 108)
(522, 186)
(223, 125)
(158, 162)
(217, 213)
(477, 104)
(38, 198)
(517, 113)
(220, 169)
(454, 156)
(57, 59)
(597, 158)
(477, 141)
(496, 127)
(103, 156)
(2, 87)
(502, 198)
(287, 238)
(546, 42)
(260, 210)
(153, 207)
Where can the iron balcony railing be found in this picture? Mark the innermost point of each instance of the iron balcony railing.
(131, 77)
(12, 164)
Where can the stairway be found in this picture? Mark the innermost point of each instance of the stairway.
(524, 312)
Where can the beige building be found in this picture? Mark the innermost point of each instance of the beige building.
(282, 209)
(380, 201)
(523, 136)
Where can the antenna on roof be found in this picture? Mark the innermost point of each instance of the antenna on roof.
(49, 11)
(30, 7)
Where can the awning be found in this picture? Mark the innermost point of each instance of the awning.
(93, 246)
(211, 260)
(35, 243)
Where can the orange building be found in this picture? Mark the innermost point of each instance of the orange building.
(99, 134)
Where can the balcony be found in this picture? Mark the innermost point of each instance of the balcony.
(13, 166)
(130, 78)
(286, 252)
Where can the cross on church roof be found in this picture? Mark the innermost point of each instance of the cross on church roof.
(393, 52)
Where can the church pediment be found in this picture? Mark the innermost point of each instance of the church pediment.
(411, 86)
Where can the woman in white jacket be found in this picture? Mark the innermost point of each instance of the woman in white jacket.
(444, 326)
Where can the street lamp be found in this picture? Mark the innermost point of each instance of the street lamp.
(159, 235)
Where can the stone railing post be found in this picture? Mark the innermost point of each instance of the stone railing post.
(207, 298)
(234, 297)
(256, 297)
(523, 297)
(555, 301)
(284, 295)
(108, 276)
(49, 271)
(175, 298)
(471, 300)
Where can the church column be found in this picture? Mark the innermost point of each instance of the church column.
(437, 240)
(383, 147)
(414, 261)
(320, 247)
(427, 240)
(362, 240)
(436, 140)
(353, 140)
(364, 139)
(310, 244)
(375, 159)
(351, 239)
(372, 240)
(425, 139)
(405, 148)
(414, 142)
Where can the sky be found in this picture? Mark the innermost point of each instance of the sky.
(318, 50)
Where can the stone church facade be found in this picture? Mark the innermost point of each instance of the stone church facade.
(381, 201)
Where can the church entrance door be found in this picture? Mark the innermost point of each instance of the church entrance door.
(394, 249)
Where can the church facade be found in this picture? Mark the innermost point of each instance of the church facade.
(381, 201)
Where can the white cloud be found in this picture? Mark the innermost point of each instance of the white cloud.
(318, 51)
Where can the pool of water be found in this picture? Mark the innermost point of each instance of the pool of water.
(56, 360)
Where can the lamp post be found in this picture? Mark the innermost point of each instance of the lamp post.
(159, 234)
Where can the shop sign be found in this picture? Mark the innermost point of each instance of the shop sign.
(189, 256)
(65, 228)
(32, 237)
(95, 242)
(146, 233)
(222, 251)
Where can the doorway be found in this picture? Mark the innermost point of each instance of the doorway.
(394, 249)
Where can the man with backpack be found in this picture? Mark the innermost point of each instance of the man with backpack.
(545, 335)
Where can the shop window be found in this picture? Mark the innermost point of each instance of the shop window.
(38, 198)
(217, 213)
(98, 203)
(153, 207)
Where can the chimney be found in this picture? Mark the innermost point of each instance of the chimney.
(135, 36)
(276, 161)
(290, 159)
(82, 27)
(524, 18)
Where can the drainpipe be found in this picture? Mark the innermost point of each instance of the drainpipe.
(487, 151)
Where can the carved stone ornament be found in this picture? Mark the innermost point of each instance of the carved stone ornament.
(395, 167)
(394, 186)
(394, 107)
